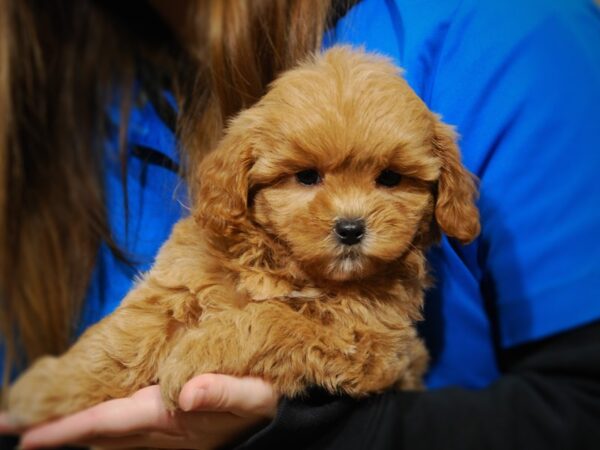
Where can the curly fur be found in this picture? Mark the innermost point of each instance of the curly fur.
(254, 282)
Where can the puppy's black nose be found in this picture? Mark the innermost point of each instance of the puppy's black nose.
(349, 231)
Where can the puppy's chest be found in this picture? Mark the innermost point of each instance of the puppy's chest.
(261, 286)
(326, 304)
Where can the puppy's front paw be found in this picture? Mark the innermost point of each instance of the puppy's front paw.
(36, 397)
(171, 380)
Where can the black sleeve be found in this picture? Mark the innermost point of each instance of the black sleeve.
(548, 398)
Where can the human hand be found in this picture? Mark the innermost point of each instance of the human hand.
(215, 410)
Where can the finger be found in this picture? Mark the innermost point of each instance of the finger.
(153, 440)
(247, 396)
(114, 418)
(200, 430)
(200, 426)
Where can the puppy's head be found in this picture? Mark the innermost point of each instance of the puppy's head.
(343, 165)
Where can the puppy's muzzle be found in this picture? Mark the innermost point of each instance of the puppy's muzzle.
(349, 231)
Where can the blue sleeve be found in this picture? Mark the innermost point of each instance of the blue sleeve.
(142, 209)
(523, 87)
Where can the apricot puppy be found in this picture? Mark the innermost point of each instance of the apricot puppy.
(303, 259)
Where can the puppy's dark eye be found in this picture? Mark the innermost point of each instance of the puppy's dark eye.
(388, 178)
(308, 177)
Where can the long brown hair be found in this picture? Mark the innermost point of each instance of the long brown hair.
(59, 65)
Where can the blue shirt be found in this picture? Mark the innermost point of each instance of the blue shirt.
(520, 80)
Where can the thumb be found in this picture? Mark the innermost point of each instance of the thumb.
(246, 396)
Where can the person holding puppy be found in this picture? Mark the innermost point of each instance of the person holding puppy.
(511, 323)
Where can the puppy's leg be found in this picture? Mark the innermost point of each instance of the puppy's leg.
(112, 359)
(120, 354)
(222, 343)
(418, 357)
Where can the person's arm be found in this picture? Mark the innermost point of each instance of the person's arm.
(548, 398)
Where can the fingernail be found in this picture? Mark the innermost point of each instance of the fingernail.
(192, 402)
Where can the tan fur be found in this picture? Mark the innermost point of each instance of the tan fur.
(254, 283)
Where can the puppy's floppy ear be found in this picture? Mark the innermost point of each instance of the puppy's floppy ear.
(222, 199)
(455, 210)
